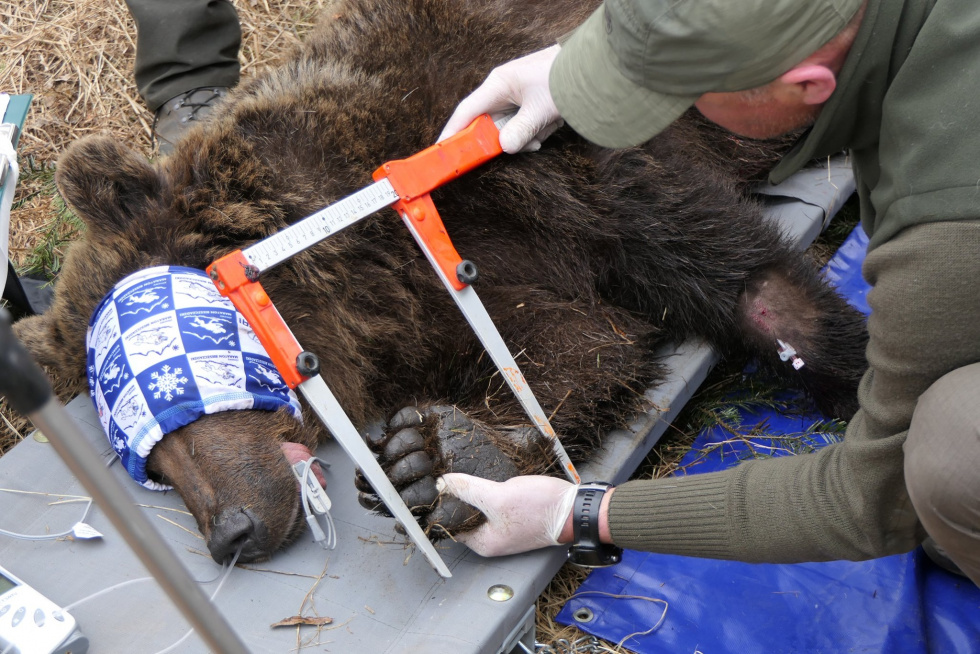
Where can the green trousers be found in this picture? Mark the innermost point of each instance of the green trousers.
(942, 466)
(183, 45)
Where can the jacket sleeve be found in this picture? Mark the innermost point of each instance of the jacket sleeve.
(848, 500)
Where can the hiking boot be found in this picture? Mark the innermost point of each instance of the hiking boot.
(938, 556)
(179, 114)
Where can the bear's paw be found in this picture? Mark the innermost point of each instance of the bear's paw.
(419, 445)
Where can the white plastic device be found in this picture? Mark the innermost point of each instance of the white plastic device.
(30, 623)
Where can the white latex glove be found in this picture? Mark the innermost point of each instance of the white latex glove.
(523, 513)
(521, 83)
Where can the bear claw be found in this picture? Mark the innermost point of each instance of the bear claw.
(410, 468)
(422, 443)
(404, 442)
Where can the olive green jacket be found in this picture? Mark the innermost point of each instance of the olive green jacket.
(908, 109)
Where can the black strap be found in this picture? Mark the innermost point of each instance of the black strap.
(587, 550)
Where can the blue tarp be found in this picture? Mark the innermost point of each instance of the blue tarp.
(898, 604)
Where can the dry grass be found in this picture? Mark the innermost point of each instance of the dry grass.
(76, 57)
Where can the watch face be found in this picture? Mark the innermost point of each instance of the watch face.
(592, 557)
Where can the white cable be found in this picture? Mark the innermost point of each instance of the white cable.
(70, 532)
(14, 534)
(128, 582)
(217, 590)
(315, 503)
(226, 572)
(225, 569)
(223, 575)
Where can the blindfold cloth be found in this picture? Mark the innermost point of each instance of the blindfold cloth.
(164, 348)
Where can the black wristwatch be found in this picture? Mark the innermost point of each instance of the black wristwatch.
(586, 549)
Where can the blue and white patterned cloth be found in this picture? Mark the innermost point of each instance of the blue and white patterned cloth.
(164, 348)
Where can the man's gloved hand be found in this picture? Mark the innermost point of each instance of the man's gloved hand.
(523, 513)
(519, 83)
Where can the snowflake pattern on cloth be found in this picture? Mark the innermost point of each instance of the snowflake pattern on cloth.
(164, 348)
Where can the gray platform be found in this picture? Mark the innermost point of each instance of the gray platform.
(381, 596)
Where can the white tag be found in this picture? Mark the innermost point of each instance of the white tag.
(84, 531)
(785, 351)
(798, 363)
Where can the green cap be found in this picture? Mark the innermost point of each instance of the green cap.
(636, 65)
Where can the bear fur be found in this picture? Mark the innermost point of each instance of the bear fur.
(589, 260)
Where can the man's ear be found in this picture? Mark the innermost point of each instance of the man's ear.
(813, 83)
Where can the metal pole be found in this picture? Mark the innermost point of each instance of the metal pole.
(28, 392)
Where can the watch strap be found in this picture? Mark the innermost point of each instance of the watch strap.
(587, 550)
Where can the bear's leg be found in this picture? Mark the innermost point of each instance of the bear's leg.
(801, 329)
(699, 258)
(588, 367)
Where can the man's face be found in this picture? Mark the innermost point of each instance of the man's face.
(759, 113)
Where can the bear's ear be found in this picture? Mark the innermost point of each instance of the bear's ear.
(107, 184)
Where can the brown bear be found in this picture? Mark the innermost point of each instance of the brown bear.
(589, 260)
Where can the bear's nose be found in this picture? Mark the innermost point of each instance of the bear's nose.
(238, 528)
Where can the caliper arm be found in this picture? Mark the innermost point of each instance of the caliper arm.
(413, 179)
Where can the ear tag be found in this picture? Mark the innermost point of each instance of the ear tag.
(788, 353)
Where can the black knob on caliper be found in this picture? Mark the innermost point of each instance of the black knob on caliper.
(308, 364)
(466, 272)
